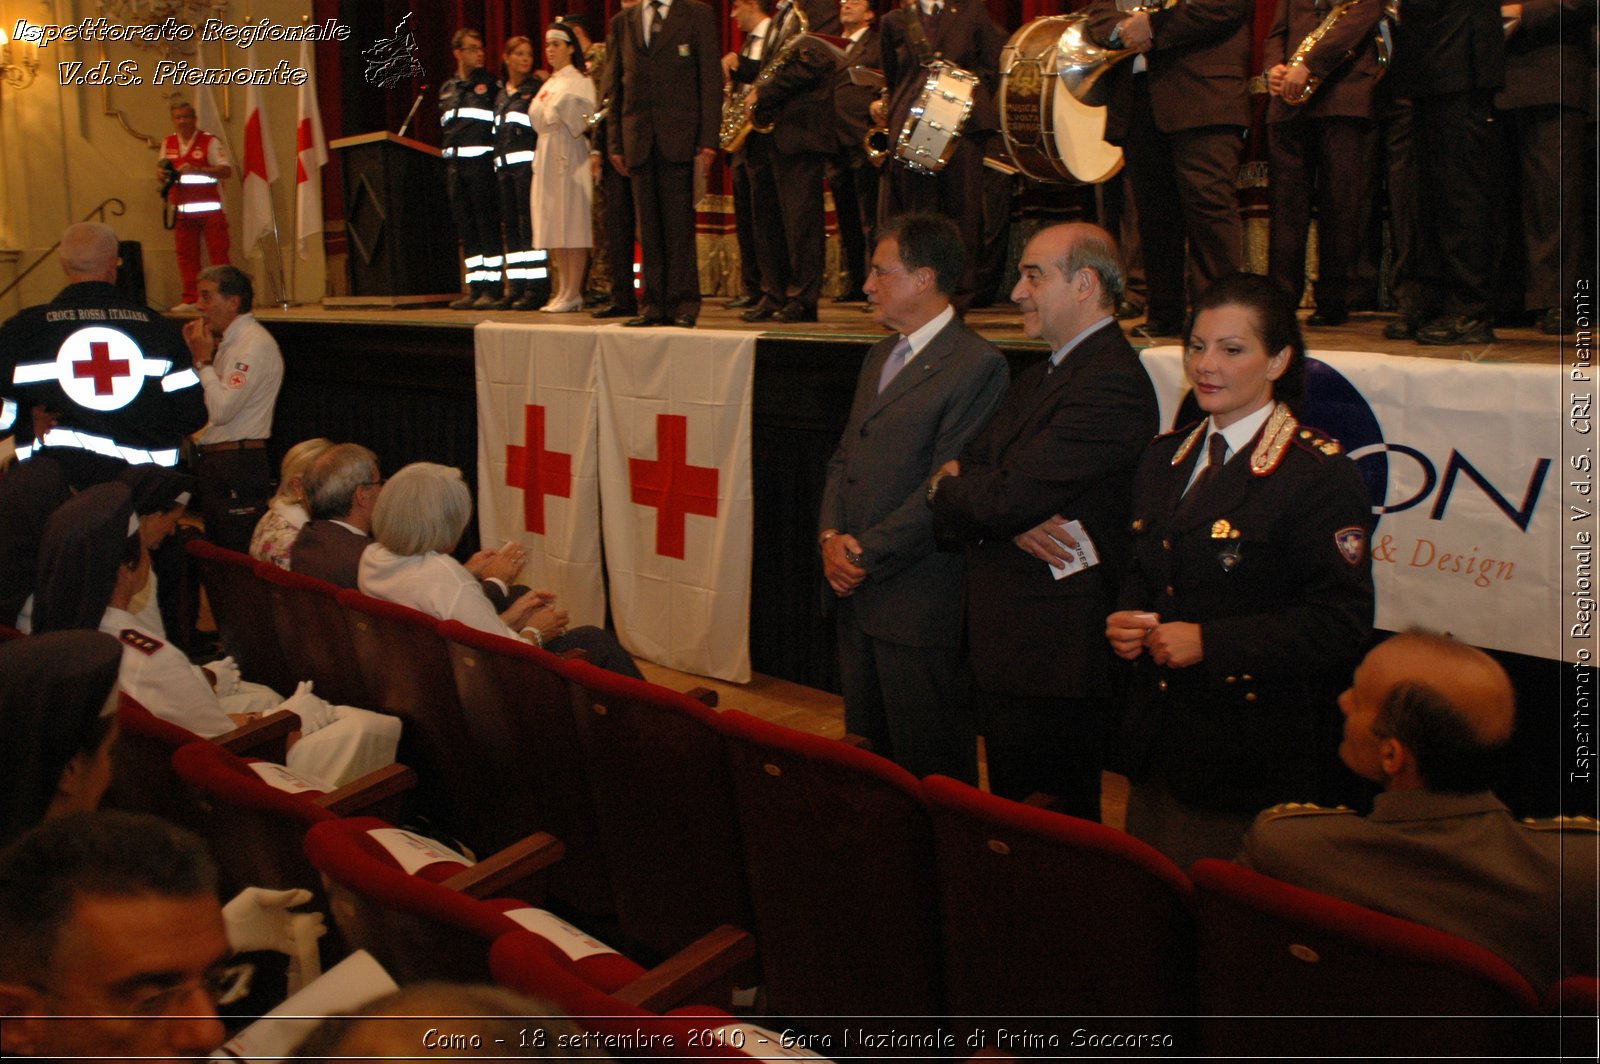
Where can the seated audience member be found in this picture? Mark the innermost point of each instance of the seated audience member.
(497, 1022)
(418, 520)
(342, 488)
(286, 512)
(92, 563)
(168, 606)
(1428, 717)
(58, 709)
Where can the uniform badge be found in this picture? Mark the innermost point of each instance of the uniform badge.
(144, 644)
(1223, 529)
(235, 381)
(1352, 543)
(1228, 556)
(683, 51)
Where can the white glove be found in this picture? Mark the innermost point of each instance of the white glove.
(314, 712)
(260, 919)
(226, 674)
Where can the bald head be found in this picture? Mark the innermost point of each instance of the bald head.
(1070, 278)
(410, 1025)
(1476, 687)
(89, 252)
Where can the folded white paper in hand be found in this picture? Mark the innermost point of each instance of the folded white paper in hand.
(1083, 555)
(314, 712)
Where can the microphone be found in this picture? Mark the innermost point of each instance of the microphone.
(413, 112)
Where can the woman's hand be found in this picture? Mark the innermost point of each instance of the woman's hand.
(1126, 631)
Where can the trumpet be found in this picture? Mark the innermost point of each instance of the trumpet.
(876, 144)
(598, 115)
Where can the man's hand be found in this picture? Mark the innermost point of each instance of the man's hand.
(594, 167)
(702, 162)
(619, 164)
(951, 468)
(1041, 541)
(844, 575)
(1137, 33)
(730, 63)
(1275, 78)
(1126, 631)
(1176, 644)
(1295, 79)
(202, 345)
(878, 110)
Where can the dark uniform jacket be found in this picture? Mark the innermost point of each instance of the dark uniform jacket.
(666, 98)
(1063, 443)
(797, 100)
(1274, 568)
(1345, 59)
(964, 35)
(1198, 66)
(513, 130)
(466, 114)
(1547, 58)
(1447, 46)
(850, 101)
(1455, 862)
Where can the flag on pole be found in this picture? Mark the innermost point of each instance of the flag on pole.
(206, 115)
(259, 171)
(311, 152)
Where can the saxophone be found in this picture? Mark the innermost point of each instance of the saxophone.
(1315, 37)
(738, 110)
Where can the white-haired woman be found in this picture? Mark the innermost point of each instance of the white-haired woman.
(417, 522)
(288, 511)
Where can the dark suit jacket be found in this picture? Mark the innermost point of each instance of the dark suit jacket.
(668, 96)
(965, 36)
(1447, 46)
(877, 482)
(797, 101)
(1284, 621)
(851, 101)
(328, 551)
(1198, 67)
(1063, 443)
(1346, 84)
(1547, 58)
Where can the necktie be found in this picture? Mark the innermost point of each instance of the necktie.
(1216, 455)
(894, 363)
(655, 20)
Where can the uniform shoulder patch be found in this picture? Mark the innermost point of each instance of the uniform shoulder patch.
(1293, 809)
(144, 644)
(1352, 543)
(1317, 442)
(1562, 823)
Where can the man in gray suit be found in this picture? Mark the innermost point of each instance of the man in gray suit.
(665, 85)
(342, 487)
(922, 395)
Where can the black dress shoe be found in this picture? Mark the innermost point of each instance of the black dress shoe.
(741, 303)
(464, 303)
(793, 312)
(1402, 328)
(855, 295)
(1155, 328)
(1127, 311)
(760, 312)
(684, 321)
(1328, 317)
(1456, 329)
(611, 310)
(645, 320)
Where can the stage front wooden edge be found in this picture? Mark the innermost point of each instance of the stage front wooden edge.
(403, 247)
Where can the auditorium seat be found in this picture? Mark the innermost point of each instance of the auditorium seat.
(415, 904)
(838, 850)
(1284, 970)
(8, 633)
(1576, 1001)
(518, 701)
(242, 610)
(1043, 914)
(316, 640)
(664, 807)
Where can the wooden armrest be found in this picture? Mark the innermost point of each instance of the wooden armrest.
(369, 790)
(696, 966)
(267, 738)
(704, 695)
(511, 865)
(860, 742)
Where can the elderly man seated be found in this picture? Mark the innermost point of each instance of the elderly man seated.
(1428, 717)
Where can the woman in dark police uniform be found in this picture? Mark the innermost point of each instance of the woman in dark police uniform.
(1249, 598)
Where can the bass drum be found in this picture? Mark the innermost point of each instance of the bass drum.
(1052, 135)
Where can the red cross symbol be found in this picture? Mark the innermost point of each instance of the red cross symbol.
(671, 485)
(102, 367)
(536, 471)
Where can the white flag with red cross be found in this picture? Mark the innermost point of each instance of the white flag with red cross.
(675, 493)
(537, 458)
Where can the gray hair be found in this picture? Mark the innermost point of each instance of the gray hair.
(424, 507)
(296, 460)
(88, 249)
(231, 281)
(331, 480)
(1094, 249)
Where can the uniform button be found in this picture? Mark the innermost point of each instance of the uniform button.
(1250, 696)
(1231, 679)
(1166, 544)
(1248, 677)
(1162, 685)
(1170, 592)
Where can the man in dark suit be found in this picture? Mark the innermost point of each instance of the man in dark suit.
(921, 397)
(1179, 111)
(1325, 143)
(665, 87)
(851, 175)
(1062, 447)
(959, 32)
(792, 89)
(615, 196)
(341, 487)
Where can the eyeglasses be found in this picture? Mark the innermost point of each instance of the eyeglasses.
(880, 273)
(222, 985)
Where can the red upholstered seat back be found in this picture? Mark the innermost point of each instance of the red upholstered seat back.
(242, 610)
(142, 778)
(1047, 915)
(316, 640)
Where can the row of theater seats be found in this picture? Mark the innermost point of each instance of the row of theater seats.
(865, 892)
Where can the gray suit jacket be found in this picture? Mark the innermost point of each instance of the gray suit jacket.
(877, 481)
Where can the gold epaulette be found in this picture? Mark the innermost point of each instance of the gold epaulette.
(144, 644)
(1318, 442)
(1188, 445)
(1288, 809)
(1562, 823)
(1275, 437)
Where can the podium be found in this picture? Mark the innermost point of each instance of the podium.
(401, 238)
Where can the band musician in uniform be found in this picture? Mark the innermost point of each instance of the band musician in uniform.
(852, 176)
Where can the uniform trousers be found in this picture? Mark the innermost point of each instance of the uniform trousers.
(1551, 142)
(516, 217)
(618, 228)
(474, 204)
(1326, 161)
(1453, 145)
(663, 200)
(234, 489)
(911, 703)
(744, 225)
(187, 234)
(1052, 745)
(854, 182)
(789, 234)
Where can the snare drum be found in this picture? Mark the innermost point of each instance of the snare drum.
(934, 125)
(1052, 135)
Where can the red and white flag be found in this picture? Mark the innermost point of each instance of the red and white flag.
(260, 169)
(311, 155)
(675, 496)
(206, 115)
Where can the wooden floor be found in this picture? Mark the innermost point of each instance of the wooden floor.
(1000, 324)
